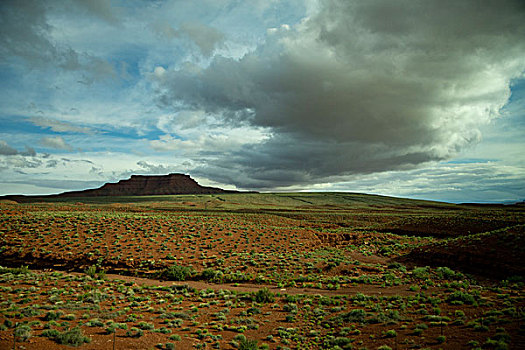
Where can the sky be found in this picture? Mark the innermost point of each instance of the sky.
(412, 99)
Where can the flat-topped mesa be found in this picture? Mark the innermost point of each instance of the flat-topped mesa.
(149, 185)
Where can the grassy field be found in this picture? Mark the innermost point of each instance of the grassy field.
(248, 271)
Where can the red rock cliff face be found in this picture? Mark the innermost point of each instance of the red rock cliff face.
(145, 185)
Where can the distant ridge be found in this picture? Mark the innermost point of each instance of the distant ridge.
(149, 185)
(139, 185)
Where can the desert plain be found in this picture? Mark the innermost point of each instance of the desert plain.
(261, 271)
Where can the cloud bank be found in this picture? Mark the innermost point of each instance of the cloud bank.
(359, 87)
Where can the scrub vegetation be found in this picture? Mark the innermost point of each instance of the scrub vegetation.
(261, 271)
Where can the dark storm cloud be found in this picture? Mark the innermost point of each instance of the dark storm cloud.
(285, 161)
(6, 150)
(25, 33)
(23, 27)
(11, 158)
(360, 87)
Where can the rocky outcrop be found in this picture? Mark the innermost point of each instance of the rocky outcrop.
(149, 185)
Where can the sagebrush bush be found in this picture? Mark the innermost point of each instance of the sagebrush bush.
(264, 296)
(72, 337)
(390, 333)
(23, 332)
(248, 344)
(459, 297)
(176, 273)
(420, 272)
(52, 316)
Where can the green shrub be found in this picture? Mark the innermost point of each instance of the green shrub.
(459, 297)
(50, 324)
(389, 317)
(357, 315)
(480, 328)
(52, 316)
(496, 344)
(447, 273)
(459, 313)
(113, 326)
(23, 332)
(35, 324)
(473, 343)
(94, 273)
(441, 339)
(212, 275)
(145, 325)
(95, 322)
(163, 330)
(390, 333)
(253, 311)
(248, 344)
(417, 331)
(420, 272)
(176, 273)
(501, 335)
(50, 333)
(134, 333)
(341, 341)
(73, 337)
(264, 296)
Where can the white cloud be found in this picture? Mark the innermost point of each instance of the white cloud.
(209, 144)
(205, 37)
(59, 126)
(473, 181)
(148, 168)
(19, 161)
(159, 72)
(169, 143)
(56, 142)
